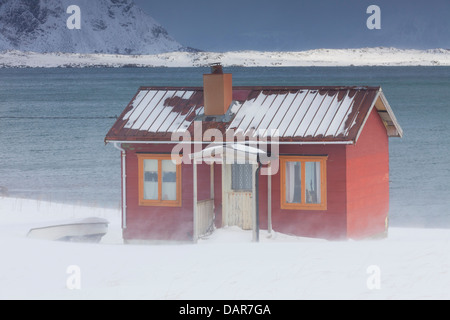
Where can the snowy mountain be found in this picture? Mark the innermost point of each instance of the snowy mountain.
(106, 26)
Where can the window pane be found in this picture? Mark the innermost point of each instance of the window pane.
(312, 187)
(293, 182)
(169, 180)
(151, 179)
(241, 177)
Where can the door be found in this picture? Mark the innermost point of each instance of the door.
(238, 195)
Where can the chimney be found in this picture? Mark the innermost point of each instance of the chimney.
(217, 91)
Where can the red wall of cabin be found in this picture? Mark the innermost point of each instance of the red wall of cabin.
(162, 223)
(368, 180)
(176, 223)
(327, 224)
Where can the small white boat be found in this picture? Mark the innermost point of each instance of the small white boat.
(84, 230)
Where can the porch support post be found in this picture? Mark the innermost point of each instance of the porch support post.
(212, 181)
(269, 199)
(255, 190)
(211, 175)
(195, 235)
(255, 236)
(224, 194)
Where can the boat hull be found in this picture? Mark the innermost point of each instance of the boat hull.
(86, 230)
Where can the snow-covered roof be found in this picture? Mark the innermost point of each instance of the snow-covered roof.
(296, 114)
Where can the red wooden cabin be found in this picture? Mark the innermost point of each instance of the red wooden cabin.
(327, 150)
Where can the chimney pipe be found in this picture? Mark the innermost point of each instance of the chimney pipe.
(216, 68)
(217, 91)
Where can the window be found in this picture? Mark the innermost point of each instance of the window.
(159, 181)
(241, 177)
(303, 183)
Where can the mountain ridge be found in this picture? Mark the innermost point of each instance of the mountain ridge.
(106, 26)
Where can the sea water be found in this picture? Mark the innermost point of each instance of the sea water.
(53, 123)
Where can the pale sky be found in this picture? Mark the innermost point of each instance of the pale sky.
(284, 25)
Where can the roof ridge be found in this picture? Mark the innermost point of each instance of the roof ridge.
(277, 87)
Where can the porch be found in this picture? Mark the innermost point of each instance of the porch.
(240, 169)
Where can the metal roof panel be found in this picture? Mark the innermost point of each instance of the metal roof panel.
(308, 114)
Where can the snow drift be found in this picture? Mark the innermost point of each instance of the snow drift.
(411, 263)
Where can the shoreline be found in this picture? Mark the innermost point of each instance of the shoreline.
(363, 57)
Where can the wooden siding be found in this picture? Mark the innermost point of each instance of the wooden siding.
(157, 222)
(327, 224)
(368, 181)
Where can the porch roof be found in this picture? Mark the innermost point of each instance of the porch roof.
(296, 114)
(230, 153)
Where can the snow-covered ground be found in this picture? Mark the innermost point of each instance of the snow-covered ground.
(409, 264)
(319, 57)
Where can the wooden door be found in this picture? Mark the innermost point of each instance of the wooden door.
(238, 195)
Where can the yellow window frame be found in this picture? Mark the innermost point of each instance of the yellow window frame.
(323, 183)
(159, 202)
